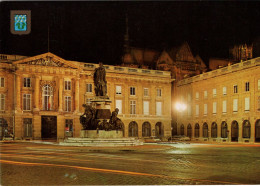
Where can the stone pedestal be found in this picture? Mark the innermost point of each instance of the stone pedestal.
(102, 106)
(101, 134)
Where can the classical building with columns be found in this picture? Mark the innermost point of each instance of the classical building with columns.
(41, 97)
(222, 105)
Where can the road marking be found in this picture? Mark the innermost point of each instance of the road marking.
(112, 171)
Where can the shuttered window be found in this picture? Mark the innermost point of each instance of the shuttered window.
(197, 110)
(247, 104)
(205, 109)
(158, 108)
(146, 108)
(214, 107)
(119, 106)
(224, 106)
(235, 102)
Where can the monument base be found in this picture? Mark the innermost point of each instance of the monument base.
(101, 134)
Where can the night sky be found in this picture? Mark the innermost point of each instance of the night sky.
(94, 31)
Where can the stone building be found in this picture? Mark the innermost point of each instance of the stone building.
(222, 105)
(41, 97)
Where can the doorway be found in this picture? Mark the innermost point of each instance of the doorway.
(49, 127)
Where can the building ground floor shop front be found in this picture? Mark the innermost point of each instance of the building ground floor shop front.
(58, 126)
(245, 130)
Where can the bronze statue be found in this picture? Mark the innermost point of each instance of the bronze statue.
(88, 118)
(115, 122)
(100, 81)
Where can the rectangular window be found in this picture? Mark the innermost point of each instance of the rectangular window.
(27, 123)
(2, 82)
(189, 97)
(146, 92)
(132, 91)
(132, 107)
(235, 89)
(197, 95)
(224, 91)
(214, 110)
(88, 101)
(224, 107)
(67, 85)
(119, 106)
(27, 102)
(197, 110)
(247, 104)
(235, 105)
(258, 84)
(258, 103)
(158, 108)
(214, 92)
(146, 107)
(26, 82)
(247, 86)
(159, 92)
(205, 109)
(189, 110)
(67, 104)
(89, 87)
(205, 94)
(2, 102)
(119, 90)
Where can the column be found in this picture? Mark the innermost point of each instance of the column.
(18, 93)
(36, 93)
(77, 95)
(60, 94)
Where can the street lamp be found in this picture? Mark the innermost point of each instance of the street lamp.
(180, 107)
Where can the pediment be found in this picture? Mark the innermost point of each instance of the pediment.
(47, 59)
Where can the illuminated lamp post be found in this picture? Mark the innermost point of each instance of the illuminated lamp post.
(180, 107)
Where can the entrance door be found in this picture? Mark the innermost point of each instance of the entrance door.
(49, 127)
(234, 131)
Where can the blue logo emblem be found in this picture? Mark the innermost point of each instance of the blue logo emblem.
(20, 22)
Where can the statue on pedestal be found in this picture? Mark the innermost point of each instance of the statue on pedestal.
(115, 122)
(88, 118)
(100, 81)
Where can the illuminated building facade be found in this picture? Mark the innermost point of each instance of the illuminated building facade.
(41, 97)
(222, 105)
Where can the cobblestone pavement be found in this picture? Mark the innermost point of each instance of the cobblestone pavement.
(25, 163)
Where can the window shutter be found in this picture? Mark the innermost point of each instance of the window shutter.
(247, 104)
(235, 101)
(197, 110)
(224, 106)
(146, 107)
(119, 106)
(158, 108)
(214, 107)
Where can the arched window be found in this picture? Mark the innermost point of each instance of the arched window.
(257, 131)
(224, 133)
(197, 130)
(214, 130)
(182, 129)
(47, 97)
(205, 130)
(146, 129)
(234, 131)
(133, 129)
(189, 130)
(246, 129)
(158, 129)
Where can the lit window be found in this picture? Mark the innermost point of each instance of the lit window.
(214, 92)
(119, 106)
(67, 104)
(224, 107)
(247, 87)
(224, 90)
(89, 87)
(146, 92)
(205, 94)
(197, 95)
(146, 107)
(132, 107)
(27, 122)
(26, 82)
(67, 85)
(235, 104)
(69, 127)
(2, 102)
(118, 90)
(214, 108)
(159, 92)
(158, 108)
(197, 110)
(235, 88)
(27, 102)
(247, 104)
(205, 109)
(2, 82)
(132, 91)
(47, 96)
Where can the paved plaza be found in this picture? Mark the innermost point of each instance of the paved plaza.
(24, 163)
